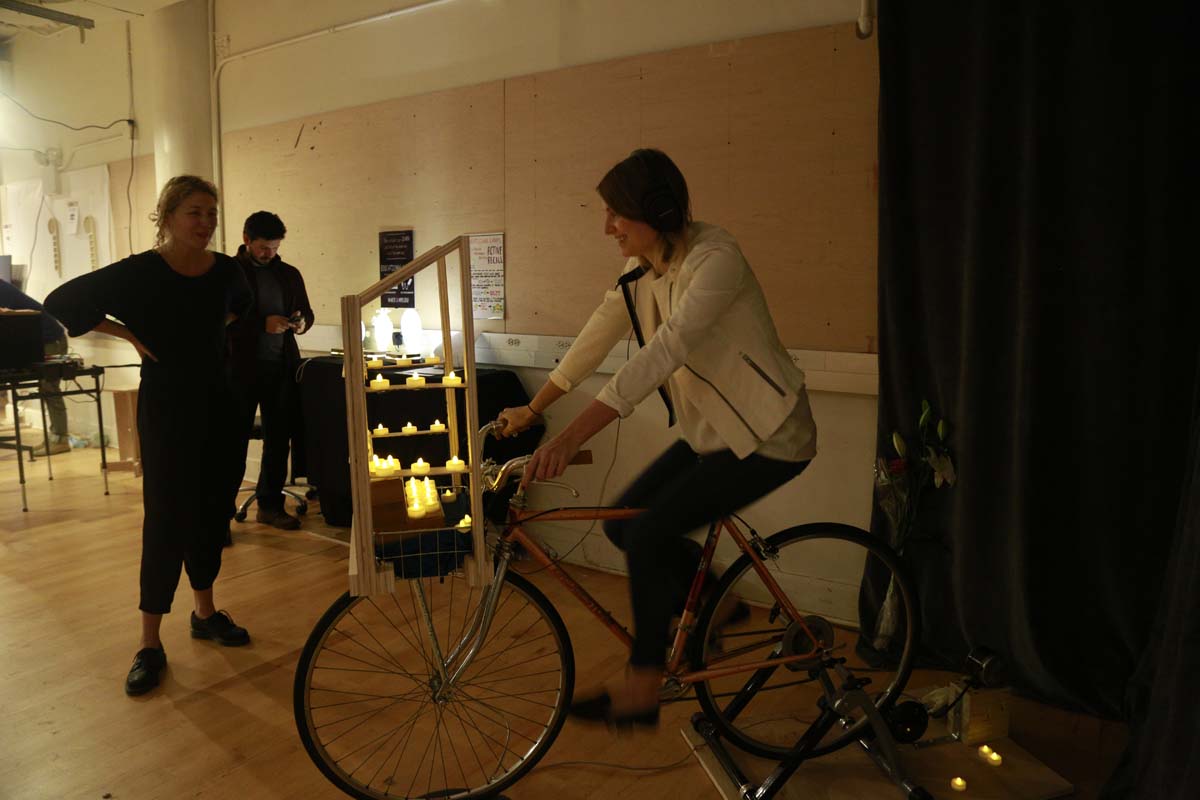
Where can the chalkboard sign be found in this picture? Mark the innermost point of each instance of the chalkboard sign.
(396, 250)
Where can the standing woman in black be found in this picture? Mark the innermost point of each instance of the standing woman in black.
(172, 304)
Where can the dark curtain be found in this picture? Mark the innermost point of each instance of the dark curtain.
(1026, 289)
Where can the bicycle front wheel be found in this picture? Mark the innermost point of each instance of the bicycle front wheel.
(851, 592)
(374, 715)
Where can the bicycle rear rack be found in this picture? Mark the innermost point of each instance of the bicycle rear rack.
(878, 741)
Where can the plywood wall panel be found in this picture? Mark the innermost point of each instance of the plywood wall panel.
(433, 162)
(776, 135)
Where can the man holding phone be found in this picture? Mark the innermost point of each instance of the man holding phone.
(263, 360)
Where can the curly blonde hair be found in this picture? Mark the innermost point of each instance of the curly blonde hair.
(173, 195)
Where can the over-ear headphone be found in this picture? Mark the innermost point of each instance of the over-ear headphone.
(659, 205)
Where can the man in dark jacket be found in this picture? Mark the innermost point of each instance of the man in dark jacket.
(54, 342)
(264, 357)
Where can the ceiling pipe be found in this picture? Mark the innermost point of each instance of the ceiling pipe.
(219, 64)
(866, 19)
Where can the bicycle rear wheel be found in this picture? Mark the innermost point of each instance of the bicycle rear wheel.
(871, 623)
(365, 691)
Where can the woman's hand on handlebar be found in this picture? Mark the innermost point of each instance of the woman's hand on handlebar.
(512, 421)
(551, 459)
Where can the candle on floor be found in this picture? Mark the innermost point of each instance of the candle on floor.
(456, 464)
(420, 467)
(380, 430)
(465, 522)
(438, 426)
(414, 380)
(380, 382)
(451, 380)
(984, 751)
(409, 429)
(994, 759)
(958, 784)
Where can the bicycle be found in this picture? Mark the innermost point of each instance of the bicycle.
(445, 690)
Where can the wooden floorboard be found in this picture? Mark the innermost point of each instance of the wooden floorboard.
(221, 724)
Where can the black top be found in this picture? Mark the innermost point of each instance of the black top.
(180, 319)
(244, 334)
(270, 302)
(12, 297)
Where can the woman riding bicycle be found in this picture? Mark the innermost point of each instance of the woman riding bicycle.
(741, 404)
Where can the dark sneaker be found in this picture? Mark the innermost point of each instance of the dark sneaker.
(220, 628)
(143, 676)
(56, 446)
(277, 519)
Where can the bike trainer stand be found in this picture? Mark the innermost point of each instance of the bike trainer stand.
(877, 741)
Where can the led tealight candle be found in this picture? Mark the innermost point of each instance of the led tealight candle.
(438, 426)
(384, 469)
(380, 382)
(416, 511)
(994, 759)
(409, 429)
(433, 360)
(420, 467)
(403, 362)
(958, 784)
(380, 430)
(451, 380)
(414, 380)
(465, 522)
(448, 496)
(456, 464)
(411, 487)
(984, 752)
(375, 363)
(373, 464)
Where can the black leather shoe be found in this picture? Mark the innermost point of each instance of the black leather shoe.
(598, 708)
(220, 628)
(277, 519)
(143, 676)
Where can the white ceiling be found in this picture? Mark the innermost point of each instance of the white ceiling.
(102, 12)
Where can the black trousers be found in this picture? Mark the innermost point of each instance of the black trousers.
(681, 491)
(271, 393)
(185, 424)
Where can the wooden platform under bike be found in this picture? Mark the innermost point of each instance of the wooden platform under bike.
(849, 774)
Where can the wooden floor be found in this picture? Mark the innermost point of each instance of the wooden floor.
(221, 724)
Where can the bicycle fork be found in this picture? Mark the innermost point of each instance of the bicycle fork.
(451, 667)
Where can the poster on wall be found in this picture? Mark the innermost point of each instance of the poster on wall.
(396, 250)
(487, 275)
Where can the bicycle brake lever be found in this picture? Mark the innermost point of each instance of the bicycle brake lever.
(559, 485)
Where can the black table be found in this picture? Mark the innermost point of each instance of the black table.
(25, 385)
(323, 404)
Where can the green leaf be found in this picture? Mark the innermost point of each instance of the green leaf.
(898, 443)
(926, 413)
(941, 429)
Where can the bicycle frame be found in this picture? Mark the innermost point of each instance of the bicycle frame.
(514, 533)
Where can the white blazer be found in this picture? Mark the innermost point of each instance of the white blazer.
(710, 338)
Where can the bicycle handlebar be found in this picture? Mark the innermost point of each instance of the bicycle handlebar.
(497, 477)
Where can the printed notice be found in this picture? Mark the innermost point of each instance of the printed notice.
(396, 250)
(487, 275)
